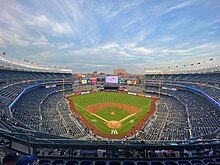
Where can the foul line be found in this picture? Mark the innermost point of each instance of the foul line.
(127, 117)
(93, 113)
(100, 117)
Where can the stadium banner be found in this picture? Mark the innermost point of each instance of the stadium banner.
(128, 82)
(84, 81)
(83, 93)
(141, 95)
(93, 80)
(172, 89)
(148, 96)
(133, 82)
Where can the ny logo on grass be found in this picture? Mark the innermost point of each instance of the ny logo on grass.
(114, 132)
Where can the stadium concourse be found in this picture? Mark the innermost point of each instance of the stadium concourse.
(36, 119)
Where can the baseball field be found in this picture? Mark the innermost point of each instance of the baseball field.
(111, 114)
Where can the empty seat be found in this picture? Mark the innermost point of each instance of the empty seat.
(206, 161)
(217, 160)
(44, 162)
(86, 162)
(128, 162)
(170, 162)
(100, 162)
(72, 162)
(114, 162)
(184, 162)
(58, 162)
(142, 163)
(197, 162)
(157, 163)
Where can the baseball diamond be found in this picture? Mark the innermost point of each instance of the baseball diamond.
(107, 112)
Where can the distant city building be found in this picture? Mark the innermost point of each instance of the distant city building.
(95, 72)
(120, 71)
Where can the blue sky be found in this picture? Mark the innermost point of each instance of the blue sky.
(89, 35)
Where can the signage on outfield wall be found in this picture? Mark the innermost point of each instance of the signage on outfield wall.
(133, 82)
(84, 81)
(83, 93)
(128, 82)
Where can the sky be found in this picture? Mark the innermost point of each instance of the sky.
(101, 35)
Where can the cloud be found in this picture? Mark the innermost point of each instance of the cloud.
(179, 6)
(86, 35)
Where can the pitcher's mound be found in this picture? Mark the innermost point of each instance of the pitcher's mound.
(113, 124)
(112, 113)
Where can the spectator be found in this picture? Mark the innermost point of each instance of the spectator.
(10, 158)
(27, 160)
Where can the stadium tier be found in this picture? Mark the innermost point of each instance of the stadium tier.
(47, 114)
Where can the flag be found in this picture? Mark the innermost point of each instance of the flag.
(4, 53)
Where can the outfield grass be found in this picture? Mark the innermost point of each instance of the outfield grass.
(83, 101)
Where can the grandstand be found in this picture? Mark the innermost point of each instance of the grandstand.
(36, 119)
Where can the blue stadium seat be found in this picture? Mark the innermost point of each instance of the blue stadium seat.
(217, 160)
(86, 162)
(142, 163)
(206, 161)
(184, 162)
(128, 162)
(157, 163)
(100, 162)
(197, 162)
(58, 162)
(170, 162)
(72, 162)
(114, 162)
(44, 162)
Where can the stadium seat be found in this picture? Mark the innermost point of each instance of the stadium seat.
(206, 161)
(170, 162)
(128, 162)
(114, 162)
(142, 163)
(44, 162)
(58, 162)
(72, 162)
(184, 162)
(100, 162)
(217, 160)
(197, 162)
(86, 162)
(156, 163)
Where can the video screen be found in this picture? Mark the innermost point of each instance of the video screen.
(111, 79)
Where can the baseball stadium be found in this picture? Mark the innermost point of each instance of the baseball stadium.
(106, 82)
(99, 119)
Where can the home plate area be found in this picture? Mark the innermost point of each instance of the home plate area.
(113, 124)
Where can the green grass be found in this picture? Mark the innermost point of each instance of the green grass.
(83, 101)
(106, 113)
